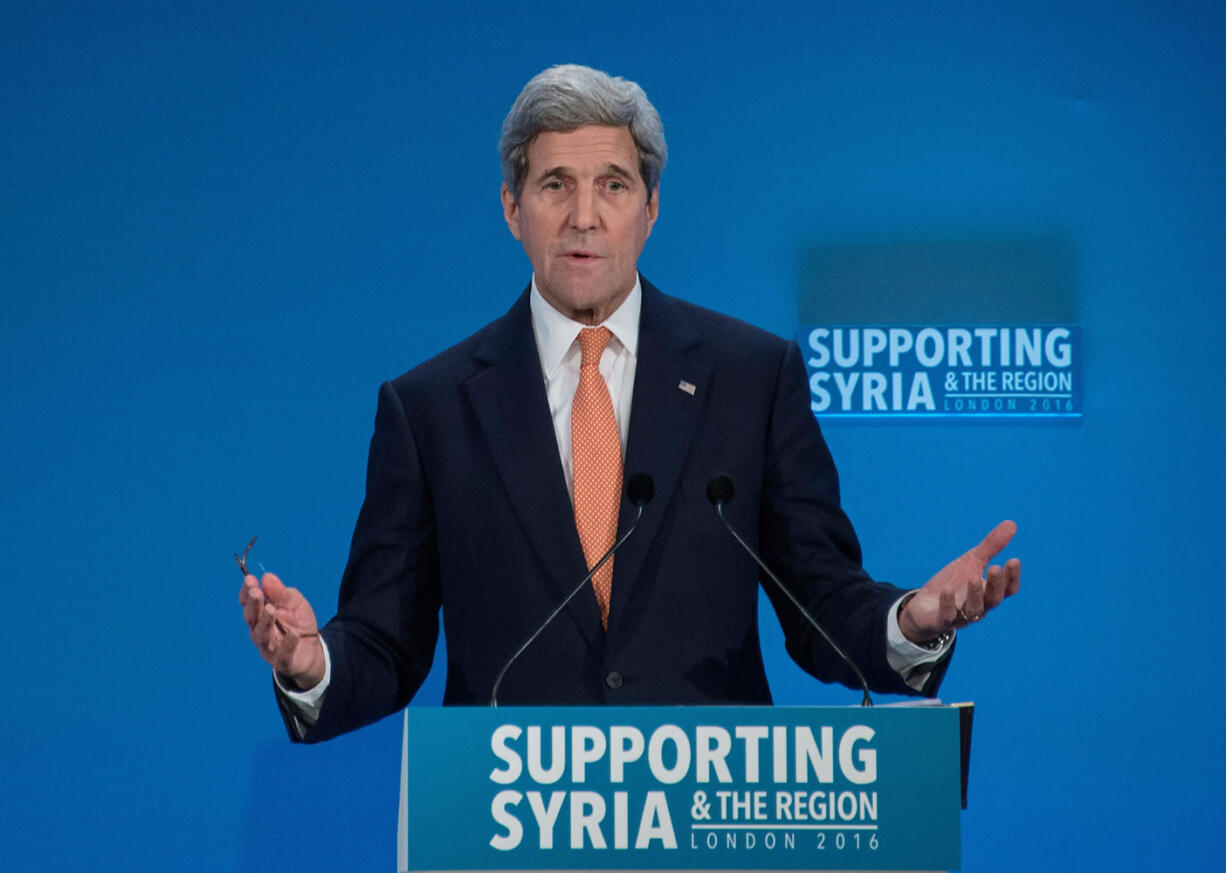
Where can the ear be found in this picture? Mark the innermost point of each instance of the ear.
(510, 211)
(653, 209)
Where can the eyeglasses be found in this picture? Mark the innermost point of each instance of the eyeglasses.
(241, 560)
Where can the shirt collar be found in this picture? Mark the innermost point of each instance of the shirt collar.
(555, 333)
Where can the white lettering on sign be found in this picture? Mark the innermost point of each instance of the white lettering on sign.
(671, 755)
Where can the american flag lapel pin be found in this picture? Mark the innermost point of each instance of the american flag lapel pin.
(687, 387)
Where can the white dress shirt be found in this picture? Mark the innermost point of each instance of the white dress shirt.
(557, 344)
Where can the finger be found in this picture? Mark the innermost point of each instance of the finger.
(281, 655)
(244, 592)
(264, 619)
(948, 610)
(253, 606)
(270, 619)
(994, 593)
(972, 606)
(274, 642)
(994, 542)
(1013, 577)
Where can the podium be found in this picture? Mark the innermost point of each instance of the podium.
(683, 788)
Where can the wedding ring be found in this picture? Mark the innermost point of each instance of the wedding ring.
(969, 619)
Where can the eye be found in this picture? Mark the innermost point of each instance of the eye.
(615, 185)
(553, 185)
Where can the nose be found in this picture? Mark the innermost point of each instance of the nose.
(584, 213)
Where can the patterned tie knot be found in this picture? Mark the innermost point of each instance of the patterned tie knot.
(592, 342)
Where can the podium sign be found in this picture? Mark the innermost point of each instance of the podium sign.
(681, 788)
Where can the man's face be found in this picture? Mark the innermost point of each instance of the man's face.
(583, 216)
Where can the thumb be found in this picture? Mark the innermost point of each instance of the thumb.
(275, 591)
(994, 541)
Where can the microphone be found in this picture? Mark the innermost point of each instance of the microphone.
(640, 488)
(720, 490)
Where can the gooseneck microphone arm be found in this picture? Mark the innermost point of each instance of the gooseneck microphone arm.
(720, 490)
(640, 488)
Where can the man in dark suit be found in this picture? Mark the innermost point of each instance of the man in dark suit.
(495, 471)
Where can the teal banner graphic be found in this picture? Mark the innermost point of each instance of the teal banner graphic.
(693, 788)
(930, 371)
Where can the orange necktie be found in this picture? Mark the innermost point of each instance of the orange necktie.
(597, 453)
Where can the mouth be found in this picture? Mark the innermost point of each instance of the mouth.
(580, 255)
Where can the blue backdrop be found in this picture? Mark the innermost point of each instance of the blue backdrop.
(223, 224)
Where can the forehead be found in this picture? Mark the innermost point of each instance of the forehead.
(589, 149)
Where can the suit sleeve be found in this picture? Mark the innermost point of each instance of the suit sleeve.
(382, 639)
(809, 541)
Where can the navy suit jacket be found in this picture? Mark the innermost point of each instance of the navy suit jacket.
(467, 511)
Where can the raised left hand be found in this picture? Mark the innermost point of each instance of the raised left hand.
(961, 594)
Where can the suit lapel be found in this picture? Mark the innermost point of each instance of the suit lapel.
(664, 413)
(508, 398)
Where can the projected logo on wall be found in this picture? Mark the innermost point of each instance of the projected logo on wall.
(937, 371)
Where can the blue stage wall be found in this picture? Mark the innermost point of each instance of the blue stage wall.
(223, 224)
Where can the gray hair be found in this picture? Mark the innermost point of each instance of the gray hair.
(569, 96)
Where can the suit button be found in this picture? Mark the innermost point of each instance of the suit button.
(613, 680)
